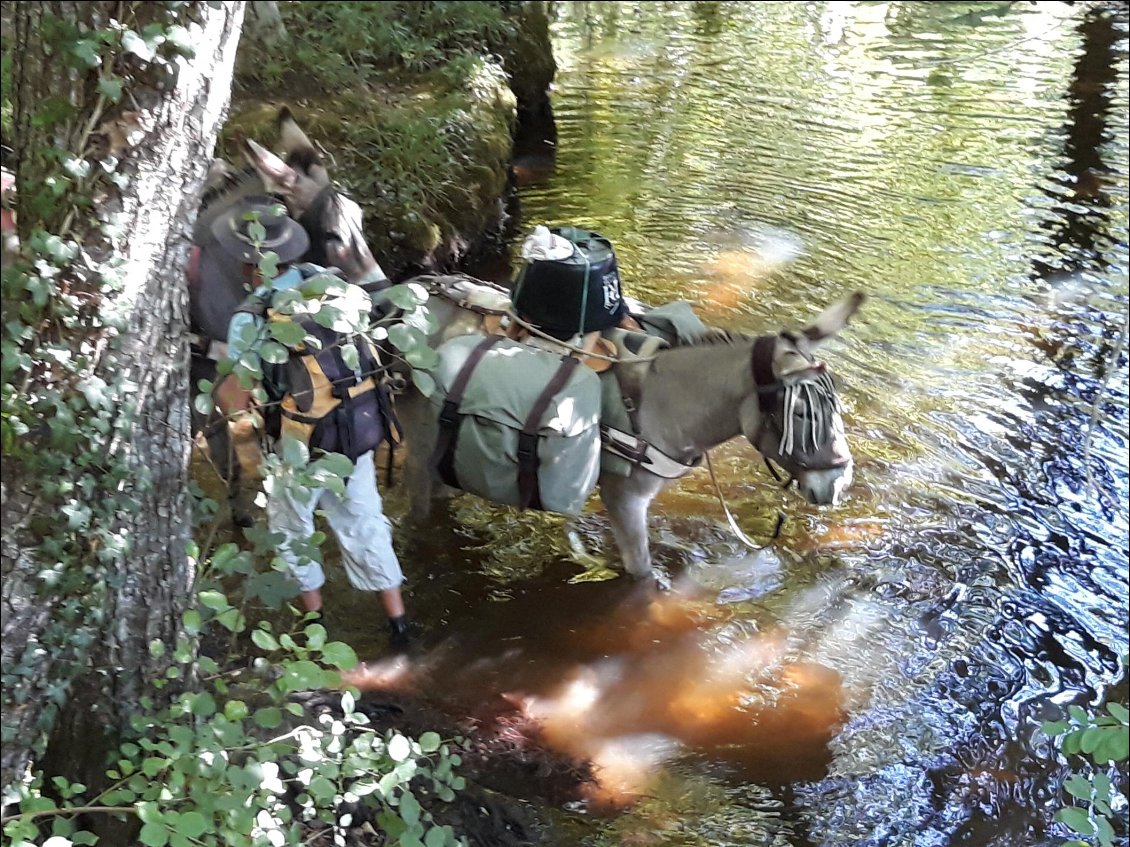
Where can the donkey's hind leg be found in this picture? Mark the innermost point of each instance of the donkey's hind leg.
(627, 500)
(221, 449)
(412, 409)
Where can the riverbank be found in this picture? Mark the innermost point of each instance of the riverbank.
(418, 104)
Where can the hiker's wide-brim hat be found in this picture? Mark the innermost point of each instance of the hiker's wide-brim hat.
(283, 236)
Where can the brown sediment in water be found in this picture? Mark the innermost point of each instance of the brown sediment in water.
(598, 710)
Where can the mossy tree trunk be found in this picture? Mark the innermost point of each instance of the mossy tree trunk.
(76, 655)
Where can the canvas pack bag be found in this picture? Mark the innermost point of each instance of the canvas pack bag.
(517, 425)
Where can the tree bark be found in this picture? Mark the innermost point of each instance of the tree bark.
(162, 135)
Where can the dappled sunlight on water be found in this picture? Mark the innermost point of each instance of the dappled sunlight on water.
(877, 675)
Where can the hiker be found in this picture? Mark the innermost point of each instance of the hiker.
(357, 519)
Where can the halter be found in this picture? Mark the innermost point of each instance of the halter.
(778, 400)
(312, 220)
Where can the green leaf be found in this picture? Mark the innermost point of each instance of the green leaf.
(285, 332)
(1078, 714)
(181, 40)
(203, 704)
(1104, 831)
(294, 452)
(191, 620)
(430, 741)
(154, 835)
(232, 619)
(134, 43)
(406, 337)
(1102, 786)
(424, 383)
(1092, 737)
(1115, 746)
(315, 635)
(111, 88)
(340, 655)
(1054, 728)
(264, 640)
(399, 748)
(213, 599)
(274, 353)
(87, 53)
(409, 809)
(235, 710)
(406, 296)
(439, 836)
(1079, 787)
(203, 403)
(335, 464)
(351, 357)
(422, 357)
(1119, 711)
(147, 812)
(301, 675)
(1076, 819)
(153, 765)
(268, 717)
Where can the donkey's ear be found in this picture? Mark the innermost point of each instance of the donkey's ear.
(278, 177)
(834, 318)
(291, 136)
(300, 152)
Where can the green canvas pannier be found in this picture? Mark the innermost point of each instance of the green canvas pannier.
(517, 425)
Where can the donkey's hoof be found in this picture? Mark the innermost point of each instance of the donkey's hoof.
(242, 515)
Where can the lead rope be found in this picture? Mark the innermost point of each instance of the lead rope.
(737, 530)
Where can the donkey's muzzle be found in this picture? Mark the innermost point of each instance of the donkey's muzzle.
(825, 486)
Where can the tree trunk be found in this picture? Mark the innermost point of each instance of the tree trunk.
(76, 661)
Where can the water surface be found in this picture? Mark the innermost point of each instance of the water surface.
(878, 676)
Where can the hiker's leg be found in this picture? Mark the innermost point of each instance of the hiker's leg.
(365, 535)
(292, 516)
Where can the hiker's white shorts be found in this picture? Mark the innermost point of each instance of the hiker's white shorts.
(358, 521)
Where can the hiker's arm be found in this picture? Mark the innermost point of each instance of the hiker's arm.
(231, 397)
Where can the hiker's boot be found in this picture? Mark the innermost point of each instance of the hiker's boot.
(401, 632)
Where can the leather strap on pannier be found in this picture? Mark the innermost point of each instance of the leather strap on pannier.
(528, 489)
(443, 457)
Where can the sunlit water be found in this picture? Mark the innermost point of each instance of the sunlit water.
(879, 676)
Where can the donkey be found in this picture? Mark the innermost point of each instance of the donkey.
(217, 288)
(688, 399)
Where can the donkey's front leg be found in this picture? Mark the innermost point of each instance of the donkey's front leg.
(627, 499)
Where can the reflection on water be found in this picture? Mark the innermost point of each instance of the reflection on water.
(881, 680)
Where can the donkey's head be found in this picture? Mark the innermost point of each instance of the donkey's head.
(794, 417)
(330, 218)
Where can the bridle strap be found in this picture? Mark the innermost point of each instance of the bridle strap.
(761, 362)
(768, 390)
